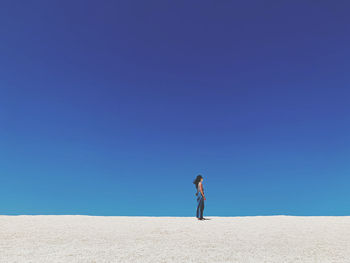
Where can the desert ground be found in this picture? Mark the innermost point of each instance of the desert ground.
(88, 239)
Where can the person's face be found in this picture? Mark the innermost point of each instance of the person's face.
(202, 180)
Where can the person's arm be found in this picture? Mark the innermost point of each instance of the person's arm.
(201, 189)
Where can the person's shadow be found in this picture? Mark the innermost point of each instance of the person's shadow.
(206, 218)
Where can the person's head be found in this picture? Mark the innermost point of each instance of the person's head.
(198, 179)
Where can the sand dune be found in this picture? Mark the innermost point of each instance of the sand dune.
(76, 238)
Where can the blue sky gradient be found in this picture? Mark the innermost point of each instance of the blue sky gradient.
(113, 107)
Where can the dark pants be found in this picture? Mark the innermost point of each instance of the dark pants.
(200, 207)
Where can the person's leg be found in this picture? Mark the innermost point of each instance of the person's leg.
(201, 208)
(198, 210)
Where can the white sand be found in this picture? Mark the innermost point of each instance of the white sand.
(75, 238)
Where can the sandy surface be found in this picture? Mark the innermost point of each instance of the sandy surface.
(75, 238)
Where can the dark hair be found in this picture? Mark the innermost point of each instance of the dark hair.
(197, 180)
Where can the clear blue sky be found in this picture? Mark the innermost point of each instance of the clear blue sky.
(113, 107)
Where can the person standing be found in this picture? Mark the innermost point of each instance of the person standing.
(198, 182)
